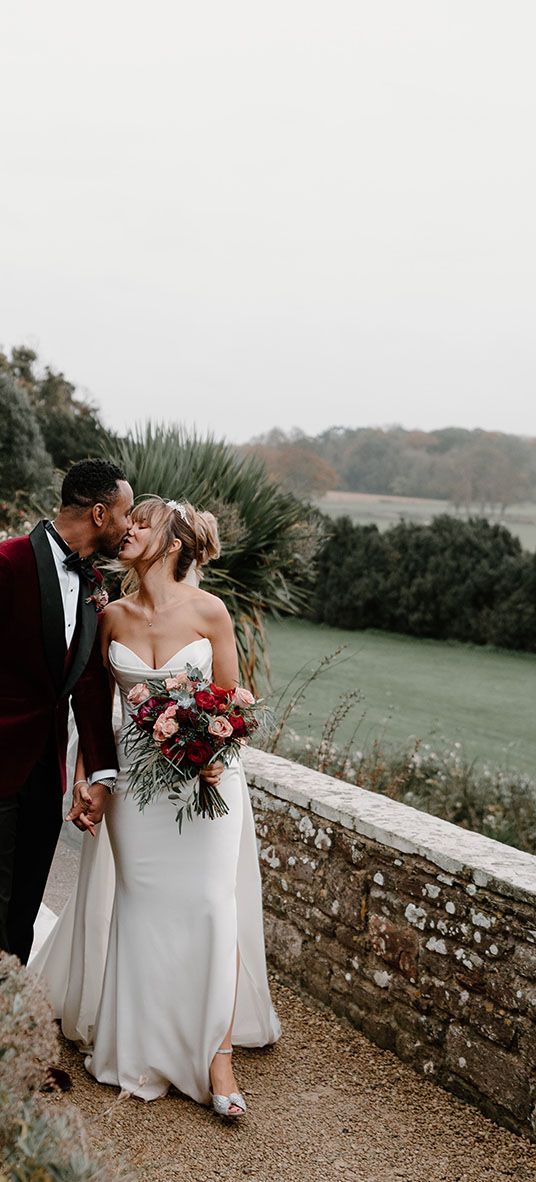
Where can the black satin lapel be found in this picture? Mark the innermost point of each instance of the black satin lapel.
(51, 604)
(86, 637)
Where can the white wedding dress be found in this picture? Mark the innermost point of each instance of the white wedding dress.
(141, 964)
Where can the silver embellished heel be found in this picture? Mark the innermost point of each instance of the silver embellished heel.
(222, 1104)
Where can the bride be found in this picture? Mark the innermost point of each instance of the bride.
(157, 966)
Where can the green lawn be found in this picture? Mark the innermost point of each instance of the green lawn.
(383, 511)
(438, 691)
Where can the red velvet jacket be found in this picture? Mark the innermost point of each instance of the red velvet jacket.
(34, 690)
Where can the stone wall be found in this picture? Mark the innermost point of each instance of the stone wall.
(421, 934)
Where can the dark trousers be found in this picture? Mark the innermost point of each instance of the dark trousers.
(30, 823)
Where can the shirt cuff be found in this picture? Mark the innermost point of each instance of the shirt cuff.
(104, 774)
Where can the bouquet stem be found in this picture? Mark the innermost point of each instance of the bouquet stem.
(209, 801)
(204, 800)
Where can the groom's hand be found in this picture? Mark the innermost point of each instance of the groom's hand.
(99, 796)
(88, 806)
(81, 802)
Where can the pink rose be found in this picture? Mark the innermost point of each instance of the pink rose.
(177, 682)
(242, 697)
(138, 693)
(166, 724)
(220, 727)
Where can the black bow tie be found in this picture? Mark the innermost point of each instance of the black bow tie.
(82, 566)
(72, 560)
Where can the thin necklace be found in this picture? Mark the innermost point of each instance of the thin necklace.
(158, 608)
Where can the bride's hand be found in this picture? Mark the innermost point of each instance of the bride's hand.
(88, 805)
(212, 772)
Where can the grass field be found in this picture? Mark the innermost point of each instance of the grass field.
(383, 511)
(437, 691)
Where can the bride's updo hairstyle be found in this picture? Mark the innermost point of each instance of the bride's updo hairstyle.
(197, 532)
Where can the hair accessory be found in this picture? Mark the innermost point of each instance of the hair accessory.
(180, 508)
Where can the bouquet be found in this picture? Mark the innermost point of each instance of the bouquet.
(178, 725)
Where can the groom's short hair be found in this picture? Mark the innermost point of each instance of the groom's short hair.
(90, 482)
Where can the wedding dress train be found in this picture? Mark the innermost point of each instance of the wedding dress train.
(141, 964)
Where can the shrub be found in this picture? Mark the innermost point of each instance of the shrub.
(452, 579)
(39, 1144)
(69, 423)
(28, 1039)
(25, 465)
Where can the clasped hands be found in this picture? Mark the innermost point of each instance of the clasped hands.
(88, 806)
(89, 802)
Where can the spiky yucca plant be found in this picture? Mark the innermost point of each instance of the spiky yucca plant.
(269, 538)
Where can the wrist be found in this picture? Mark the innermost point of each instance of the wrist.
(107, 782)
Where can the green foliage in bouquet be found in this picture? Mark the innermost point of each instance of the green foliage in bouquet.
(269, 537)
(180, 724)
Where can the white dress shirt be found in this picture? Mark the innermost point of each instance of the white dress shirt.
(69, 581)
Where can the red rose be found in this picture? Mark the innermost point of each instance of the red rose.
(238, 723)
(221, 695)
(152, 704)
(149, 711)
(183, 714)
(205, 700)
(198, 752)
(170, 749)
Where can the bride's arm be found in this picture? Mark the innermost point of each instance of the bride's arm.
(81, 802)
(83, 812)
(220, 632)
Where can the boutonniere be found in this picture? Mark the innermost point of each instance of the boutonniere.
(99, 596)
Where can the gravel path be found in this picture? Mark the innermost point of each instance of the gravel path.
(324, 1104)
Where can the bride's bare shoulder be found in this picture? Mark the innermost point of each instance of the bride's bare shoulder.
(211, 606)
(116, 607)
(116, 611)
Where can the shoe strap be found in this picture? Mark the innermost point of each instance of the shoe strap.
(225, 1051)
(238, 1099)
(222, 1104)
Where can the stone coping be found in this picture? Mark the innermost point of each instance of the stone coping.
(487, 862)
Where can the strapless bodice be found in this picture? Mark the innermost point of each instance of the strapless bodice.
(128, 668)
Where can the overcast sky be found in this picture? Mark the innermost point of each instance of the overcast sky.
(293, 213)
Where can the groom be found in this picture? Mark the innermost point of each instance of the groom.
(49, 653)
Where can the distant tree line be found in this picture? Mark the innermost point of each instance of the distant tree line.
(464, 580)
(480, 470)
(294, 462)
(451, 580)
